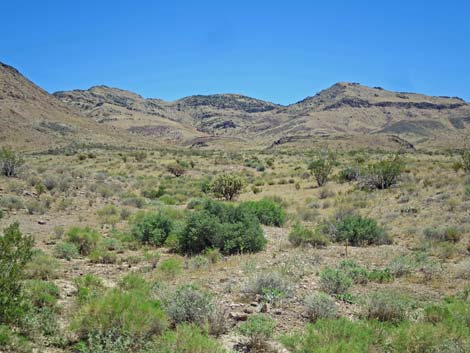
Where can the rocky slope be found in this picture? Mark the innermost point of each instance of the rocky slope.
(346, 112)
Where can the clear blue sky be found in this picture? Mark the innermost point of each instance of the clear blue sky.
(280, 51)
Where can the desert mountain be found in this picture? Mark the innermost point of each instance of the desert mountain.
(31, 118)
(342, 114)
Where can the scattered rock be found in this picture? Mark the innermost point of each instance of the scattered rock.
(248, 310)
(238, 316)
(41, 222)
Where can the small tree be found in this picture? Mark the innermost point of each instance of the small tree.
(9, 162)
(227, 186)
(15, 253)
(176, 169)
(466, 161)
(322, 167)
(383, 174)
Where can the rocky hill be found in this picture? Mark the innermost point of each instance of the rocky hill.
(346, 112)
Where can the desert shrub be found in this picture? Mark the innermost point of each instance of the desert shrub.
(301, 235)
(153, 193)
(101, 255)
(380, 275)
(130, 199)
(322, 167)
(227, 228)
(89, 287)
(11, 203)
(451, 234)
(85, 239)
(1, 213)
(152, 228)
(186, 338)
(334, 281)
(49, 182)
(171, 267)
(403, 265)
(259, 329)
(189, 304)
(353, 270)
(66, 251)
(358, 231)
(328, 336)
(130, 314)
(465, 156)
(41, 293)
(42, 266)
(10, 161)
(35, 207)
(319, 305)
(109, 214)
(388, 306)
(176, 169)
(271, 286)
(15, 253)
(349, 174)
(382, 174)
(267, 211)
(132, 281)
(227, 186)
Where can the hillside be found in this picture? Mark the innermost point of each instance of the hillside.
(31, 118)
(348, 115)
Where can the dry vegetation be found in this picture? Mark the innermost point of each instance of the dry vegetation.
(130, 256)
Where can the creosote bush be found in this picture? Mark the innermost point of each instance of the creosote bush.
(259, 329)
(10, 161)
(335, 281)
(152, 228)
(85, 239)
(267, 211)
(301, 235)
(231, 229)
(383, 174)
(227, 186)
(15, 253)
(356, 230)
(322, 167)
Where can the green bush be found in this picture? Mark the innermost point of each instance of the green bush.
(89, 287)
(41, 293)
(383, 174)
(349, 174)
(451, 234)
(189, 304)
(466, 161)
(85, 239)
(334, 281)
(388, 306)
(15, 253)
(320, 306)
(186, 338)
(341, 336)
(227, 186)
(11, 203)
(131, 313)
(353, 270)
(267, 211)
(227, 228)
(66, 251)
(42, 266)
(359, 231)
(171, 267)
(9, 162)
(271, 286)
(259, 329)
(152, 228)
(301, 235)
(322, 167)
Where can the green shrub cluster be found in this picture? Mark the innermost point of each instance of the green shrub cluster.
(152, 228)
(356, 230)
(301, 235)
(267, 211)
(230, 229)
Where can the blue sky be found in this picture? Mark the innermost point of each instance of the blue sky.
(281, 51)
